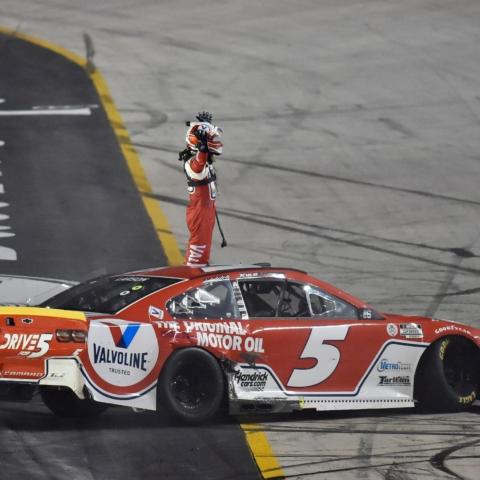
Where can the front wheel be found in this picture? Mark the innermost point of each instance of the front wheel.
(191, 385)
(64, 403)
(448, 376)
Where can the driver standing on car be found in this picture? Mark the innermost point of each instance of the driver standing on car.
(203, 142)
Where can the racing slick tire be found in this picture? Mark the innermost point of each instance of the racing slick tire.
(448, 378)
(191, 385)
(64, 403)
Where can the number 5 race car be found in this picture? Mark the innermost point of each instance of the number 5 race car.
(258, 338)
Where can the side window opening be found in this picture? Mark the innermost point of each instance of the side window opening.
(261, 296)
(294, 301)
(324, 305)
(265, 297)
(212, 300)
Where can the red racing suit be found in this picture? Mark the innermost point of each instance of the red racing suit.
(201, 209)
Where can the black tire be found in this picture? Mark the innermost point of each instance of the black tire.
(191, 385)
(447, 379)
(64, 403)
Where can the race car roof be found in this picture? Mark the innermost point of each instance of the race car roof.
(192, 272)
(184, 272)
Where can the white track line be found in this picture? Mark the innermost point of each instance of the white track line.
(59, 111)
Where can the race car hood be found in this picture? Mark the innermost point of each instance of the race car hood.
(414, 326)
(396, 317)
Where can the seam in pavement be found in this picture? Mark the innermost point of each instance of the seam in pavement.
(256, 438)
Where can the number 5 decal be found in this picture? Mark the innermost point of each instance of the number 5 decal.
(327, 356)
(42, 344)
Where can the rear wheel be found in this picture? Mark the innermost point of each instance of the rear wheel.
(191, 385)
(448, 376)
(64, 403)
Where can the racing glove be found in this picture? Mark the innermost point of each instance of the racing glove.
(202, 136)
(185, 155)
(204, 117)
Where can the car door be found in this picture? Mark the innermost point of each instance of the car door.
(313, 342)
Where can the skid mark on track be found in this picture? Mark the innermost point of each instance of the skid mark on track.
(438, 460)
(393, 446)
(457, 251)
(445, 285)
(310, 173)
(312, 231)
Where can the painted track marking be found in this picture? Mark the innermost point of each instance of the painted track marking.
(262, 451)
(58, 111)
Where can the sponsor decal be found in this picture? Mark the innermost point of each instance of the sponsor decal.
(401, 380)
(366, 314)
(386, 366)
(155, 312)
(122, 353)
(168, 324)
(27, 321)
(443, 347)
(392, 329)
(255, 381)
(131, 279)
(411, 330)
(220, 278)
(249, 275)
(239, 300)
(229, 328)
(17, 373)
(195, 253)
(230, 342)
(123, 337)
(467, 399)
(30, 345)
(453, 328)
(224, 335)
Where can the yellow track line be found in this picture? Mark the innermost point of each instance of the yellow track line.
(262, 451)
(159, 219)
(256, 438)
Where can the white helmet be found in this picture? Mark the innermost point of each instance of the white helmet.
(204, 126)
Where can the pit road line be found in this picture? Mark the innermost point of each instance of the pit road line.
(256, 438)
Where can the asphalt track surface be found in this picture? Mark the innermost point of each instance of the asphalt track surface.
(73, 207)
(351, 151)
(116, 445)
(75, 212)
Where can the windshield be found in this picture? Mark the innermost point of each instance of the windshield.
(108, 294)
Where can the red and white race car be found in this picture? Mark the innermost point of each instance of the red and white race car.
(260, 338)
